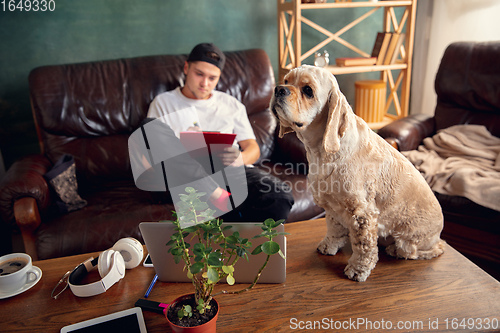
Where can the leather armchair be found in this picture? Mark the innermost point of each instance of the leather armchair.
(468, 92)
(89, 110)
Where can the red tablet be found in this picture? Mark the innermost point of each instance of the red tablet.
(196, 140)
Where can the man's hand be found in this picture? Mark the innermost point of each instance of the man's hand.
(249, 154)
(194, 129)
(231, 156)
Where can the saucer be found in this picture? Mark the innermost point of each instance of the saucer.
(25, 287)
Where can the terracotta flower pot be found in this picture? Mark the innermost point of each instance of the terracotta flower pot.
(208, 327)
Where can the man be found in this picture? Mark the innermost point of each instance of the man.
(198, 106)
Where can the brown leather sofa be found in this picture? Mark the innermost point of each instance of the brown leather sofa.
(468, 92)
(89, 110)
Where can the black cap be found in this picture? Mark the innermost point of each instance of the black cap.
(209, 53)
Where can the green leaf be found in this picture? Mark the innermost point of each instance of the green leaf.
(197, 267)
(228, 269)
(192, 198)
(207, 227)
(281, 254)
(230, 246)
(270, 247)
(208, 213)
(191, 229)
(189, 275)
(171, 242)
(190, 190)
(257, 250)
(199, 249)
(214, 259)
(230, 279)
(277, 223)
(176, 251)
(177, 259)
(199, 206)
(269, 223)
(187, 217)
(212, 274)
(241, 251)
(182, 205)
(231, 239)
(227, 227)
(199, 246)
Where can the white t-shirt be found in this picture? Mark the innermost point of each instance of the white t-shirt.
(221, 112)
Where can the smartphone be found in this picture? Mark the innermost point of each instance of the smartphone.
(148, 262)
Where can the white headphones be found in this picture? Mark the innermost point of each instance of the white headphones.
(127, 253)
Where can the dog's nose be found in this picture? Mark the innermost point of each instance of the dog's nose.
(280, 91)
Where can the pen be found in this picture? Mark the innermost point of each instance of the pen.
(151, 286)
(152, 306)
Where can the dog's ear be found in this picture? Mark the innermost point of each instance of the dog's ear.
(336, 124)
(284, 130)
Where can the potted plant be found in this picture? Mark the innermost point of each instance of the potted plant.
(210, 260)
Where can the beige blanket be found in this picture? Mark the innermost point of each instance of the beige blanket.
(462, 160)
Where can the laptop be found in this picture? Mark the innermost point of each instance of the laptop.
(157, 234)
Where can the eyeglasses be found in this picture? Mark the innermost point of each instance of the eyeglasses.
(63, 283)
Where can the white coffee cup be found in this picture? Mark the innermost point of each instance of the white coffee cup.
(16, 270)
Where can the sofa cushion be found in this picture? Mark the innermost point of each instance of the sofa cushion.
(111, 214)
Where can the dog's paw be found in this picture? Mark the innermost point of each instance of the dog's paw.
(327, 247)
(392, 250)
(356, 274)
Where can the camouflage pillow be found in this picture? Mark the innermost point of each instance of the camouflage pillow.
(62, 178)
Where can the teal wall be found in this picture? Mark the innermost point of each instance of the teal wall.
(88, 30)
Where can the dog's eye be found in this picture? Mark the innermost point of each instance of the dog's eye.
(308, 91)
(286, 81)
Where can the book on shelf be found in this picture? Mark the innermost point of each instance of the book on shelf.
(356, 61)
(393, 48)
(380, 47)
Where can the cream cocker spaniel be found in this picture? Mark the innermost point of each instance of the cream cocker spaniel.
(367, 188)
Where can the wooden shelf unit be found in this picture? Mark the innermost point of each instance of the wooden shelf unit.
(290, 20)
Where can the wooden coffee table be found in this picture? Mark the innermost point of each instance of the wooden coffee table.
(448, 293)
